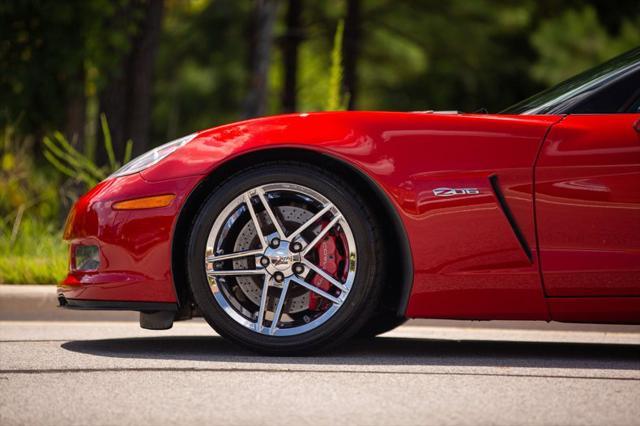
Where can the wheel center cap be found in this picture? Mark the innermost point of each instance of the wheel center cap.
(281, 259)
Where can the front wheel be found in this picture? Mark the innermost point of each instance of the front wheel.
(285, 259)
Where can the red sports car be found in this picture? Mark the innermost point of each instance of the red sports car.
(292, 233)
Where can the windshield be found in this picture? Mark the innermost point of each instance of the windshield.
(561, 97)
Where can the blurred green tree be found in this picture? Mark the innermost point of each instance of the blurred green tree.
(47, 50)
(576, 40)
(125, 98)
(260, 31)
(290, 42)
(61, 63)
(201, 71)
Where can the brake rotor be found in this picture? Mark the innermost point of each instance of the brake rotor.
(251, 287)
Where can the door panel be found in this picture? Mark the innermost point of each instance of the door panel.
(588, 206)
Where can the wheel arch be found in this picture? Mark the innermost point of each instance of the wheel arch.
(395, 296)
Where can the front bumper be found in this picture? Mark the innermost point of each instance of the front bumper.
(134, 246)
(114, 305)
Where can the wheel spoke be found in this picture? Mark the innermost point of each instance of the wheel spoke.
(231, 272)
(321, 234)
(278, 312)
(273, 275)
(240, 254)
(316, 290)
(263, 304)
(254, 218)
(324, 275)
(310, 222)
(272, 216)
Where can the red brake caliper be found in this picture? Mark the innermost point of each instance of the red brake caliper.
(328, 260)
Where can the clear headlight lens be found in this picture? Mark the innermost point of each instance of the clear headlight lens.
(152, 157)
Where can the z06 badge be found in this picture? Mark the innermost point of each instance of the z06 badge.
(450, 192)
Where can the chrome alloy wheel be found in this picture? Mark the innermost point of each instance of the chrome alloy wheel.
(281, 259)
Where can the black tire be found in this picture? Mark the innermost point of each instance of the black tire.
(380, 323)
(365, 291)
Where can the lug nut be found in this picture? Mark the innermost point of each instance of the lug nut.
(275, 242)
(264, 261)
(278, 276)
(296, 247)
(298, 268)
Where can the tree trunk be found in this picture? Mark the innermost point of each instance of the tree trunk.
(351, 50)
(75, 120)
(290, 43)
(126, 99)
(113, 104)
(260, 41)
(74, 130)
(142, 65)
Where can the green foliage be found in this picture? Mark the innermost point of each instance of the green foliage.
(201, 66)
(313, 76)
(47, 48)
(335, 99)
(322, 90)
(36, 255)
(31, 248)
(31, 205)
(454, 55)
(575, 41)
(69, 161)
(22, 185)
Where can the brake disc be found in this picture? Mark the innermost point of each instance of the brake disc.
(252, 286)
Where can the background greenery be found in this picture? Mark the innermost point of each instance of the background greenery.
(156, 70)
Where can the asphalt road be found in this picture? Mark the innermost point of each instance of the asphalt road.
(69, 372)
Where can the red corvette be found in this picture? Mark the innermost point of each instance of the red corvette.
(293, 233)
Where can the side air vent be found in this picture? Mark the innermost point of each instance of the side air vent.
(493, 179)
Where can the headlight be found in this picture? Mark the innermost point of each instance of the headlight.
(152, 157)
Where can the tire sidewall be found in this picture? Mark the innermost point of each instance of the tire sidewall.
(354, 311)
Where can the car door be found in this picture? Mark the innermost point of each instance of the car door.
(587, 201)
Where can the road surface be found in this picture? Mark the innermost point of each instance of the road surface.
(79, 373)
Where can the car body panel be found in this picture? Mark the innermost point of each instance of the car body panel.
(135, 245)
(623, 310)
(588, 206)
(461, 269)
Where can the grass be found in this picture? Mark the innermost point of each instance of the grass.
(37, 255)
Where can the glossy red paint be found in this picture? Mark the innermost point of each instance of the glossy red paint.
(135, 245)
(588, 206)
(468, 260)
(461, 270)
(622, 310)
